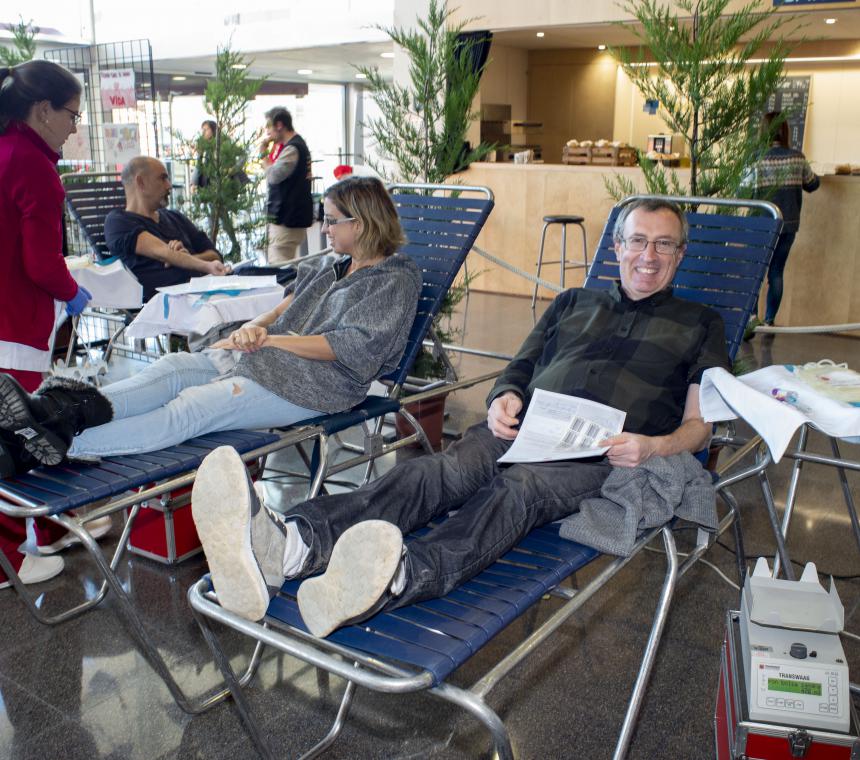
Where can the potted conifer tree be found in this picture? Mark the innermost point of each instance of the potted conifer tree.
(421, 130)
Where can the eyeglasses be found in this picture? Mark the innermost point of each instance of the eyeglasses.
(638, 243)
(76, 117)
(330, 221)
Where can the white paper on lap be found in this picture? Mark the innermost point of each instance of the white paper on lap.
(558, 426)
(775, 402)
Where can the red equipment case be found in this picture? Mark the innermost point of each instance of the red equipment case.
(164, 529)
(739, 738)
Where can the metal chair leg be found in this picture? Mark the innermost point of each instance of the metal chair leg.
(563, 254)
(539, 262)
(846, 493)
(651, 647)
(791, 495)
(584, 247)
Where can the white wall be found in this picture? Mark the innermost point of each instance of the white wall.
(832, 119)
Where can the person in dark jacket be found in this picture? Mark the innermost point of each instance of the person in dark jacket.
(781, 176)
(287, 162)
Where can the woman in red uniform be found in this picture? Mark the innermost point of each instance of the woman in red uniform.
(39, 108)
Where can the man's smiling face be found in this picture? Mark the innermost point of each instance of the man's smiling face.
(644, 273)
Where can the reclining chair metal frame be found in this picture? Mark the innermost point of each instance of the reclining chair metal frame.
(52, 492)
(372, 654)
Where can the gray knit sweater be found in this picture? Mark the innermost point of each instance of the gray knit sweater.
(366, 318)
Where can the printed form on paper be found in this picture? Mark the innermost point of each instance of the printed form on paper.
(557, 426)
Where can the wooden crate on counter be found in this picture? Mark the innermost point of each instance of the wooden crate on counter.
(576, 155)
(605, 156)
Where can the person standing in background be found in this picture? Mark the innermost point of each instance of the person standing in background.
(40, 105)
(780, 177)
(287, 163)
(207, 146)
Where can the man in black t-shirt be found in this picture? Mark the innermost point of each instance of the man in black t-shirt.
(160, 247)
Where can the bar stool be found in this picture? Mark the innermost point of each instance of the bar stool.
(563, 220)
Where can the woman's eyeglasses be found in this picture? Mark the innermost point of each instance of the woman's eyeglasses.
(330, 221)
(76, 117)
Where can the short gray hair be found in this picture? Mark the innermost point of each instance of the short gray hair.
(650, 205)
(133, 168)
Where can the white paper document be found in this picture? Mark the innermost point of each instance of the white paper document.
(558, 426)
(777, 400)
(212, 282)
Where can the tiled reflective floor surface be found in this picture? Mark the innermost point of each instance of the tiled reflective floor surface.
(82, 690)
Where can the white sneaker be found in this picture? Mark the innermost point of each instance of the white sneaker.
(97, 529)
(357, 582)
(243, 541)
(36, 569)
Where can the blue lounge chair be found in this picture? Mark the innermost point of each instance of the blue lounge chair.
(417, 647)
(440, 231)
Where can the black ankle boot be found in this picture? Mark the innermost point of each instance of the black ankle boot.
(14, 458)
(47, 420)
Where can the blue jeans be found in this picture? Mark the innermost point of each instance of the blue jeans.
(774, 274)
(497, 505)
(177, 398)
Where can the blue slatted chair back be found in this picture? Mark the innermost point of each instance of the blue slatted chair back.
(440, 231)
(89, 199)
(725, 263)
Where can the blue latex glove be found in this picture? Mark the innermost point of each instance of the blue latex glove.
(79, 302)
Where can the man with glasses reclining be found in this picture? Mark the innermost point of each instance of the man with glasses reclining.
(635, 346)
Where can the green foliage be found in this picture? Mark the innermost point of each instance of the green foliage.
(23, 44)
(422, 126)
(709, 91)
(228, 198)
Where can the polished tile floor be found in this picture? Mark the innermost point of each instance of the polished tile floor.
(83, 691)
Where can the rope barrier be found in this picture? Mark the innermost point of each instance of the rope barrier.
(516, 270)
(771, 330)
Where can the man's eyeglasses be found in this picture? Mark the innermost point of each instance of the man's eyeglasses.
(638, 243)
(76, 117)
(330, 221)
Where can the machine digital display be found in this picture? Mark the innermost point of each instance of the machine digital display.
(794, 687)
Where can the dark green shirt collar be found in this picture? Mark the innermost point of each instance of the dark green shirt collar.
(617, 294)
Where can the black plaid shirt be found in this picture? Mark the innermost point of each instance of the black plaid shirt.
(637, 356)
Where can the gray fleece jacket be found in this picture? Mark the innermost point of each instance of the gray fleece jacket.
(366, 318)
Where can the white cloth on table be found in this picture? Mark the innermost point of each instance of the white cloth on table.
(110, 283)
(200, 312)
(775, 402)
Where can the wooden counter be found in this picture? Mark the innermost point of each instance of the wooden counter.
(821, 279)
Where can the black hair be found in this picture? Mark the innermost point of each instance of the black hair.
(781, 134)
(279, 114)
(211, 124)
(30, 82)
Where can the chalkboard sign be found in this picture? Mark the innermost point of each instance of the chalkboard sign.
(792, 96)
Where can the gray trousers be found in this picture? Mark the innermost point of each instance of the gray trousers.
(497, 505)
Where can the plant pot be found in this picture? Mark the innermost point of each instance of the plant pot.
(430, 415)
